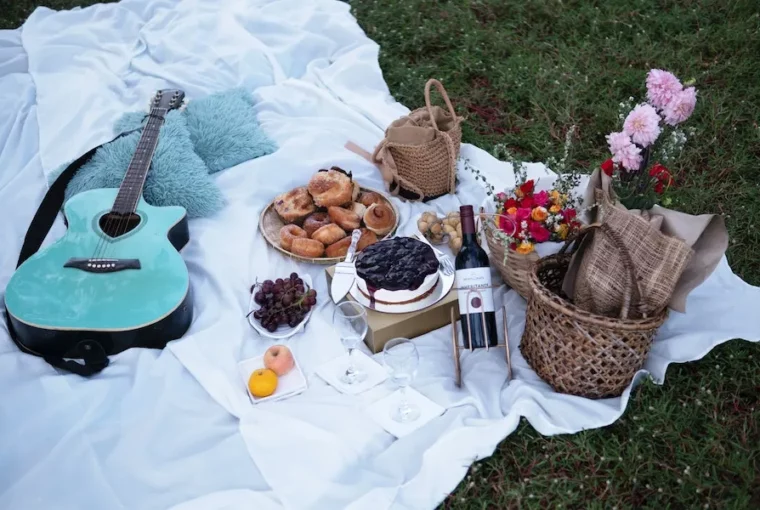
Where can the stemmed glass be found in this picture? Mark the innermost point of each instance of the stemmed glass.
(350, 321)
(401, 357)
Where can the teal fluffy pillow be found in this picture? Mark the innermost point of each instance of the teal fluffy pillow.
(224, 129)
(178, 176)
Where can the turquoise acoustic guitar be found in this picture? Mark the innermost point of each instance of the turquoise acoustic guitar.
(116, 279)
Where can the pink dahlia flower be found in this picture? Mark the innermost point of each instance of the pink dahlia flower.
(629, 157)
(624, 151)
(642, 125)
(662, 86)
(618, 141)
(681, 106)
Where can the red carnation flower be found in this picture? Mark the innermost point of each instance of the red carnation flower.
(608, 166)
(663, 177)
(527, 202)
(569, 214)
(508, 224)
(660, 173)
(527, 187)
(538, 232)
(510, 203)
(523, 214)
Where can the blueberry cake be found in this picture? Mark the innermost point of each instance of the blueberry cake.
(397, 271)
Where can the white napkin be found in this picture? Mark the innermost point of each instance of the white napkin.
(380, 411)
(333, 369)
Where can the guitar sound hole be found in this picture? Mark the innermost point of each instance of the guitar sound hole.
(116, 224)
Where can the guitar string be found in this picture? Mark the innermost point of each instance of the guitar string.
(123, 219)
(113, 216)
(151, 132)
(130, 183)
(106, 240)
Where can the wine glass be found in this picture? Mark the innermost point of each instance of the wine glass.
(401, 357)
(350, 320)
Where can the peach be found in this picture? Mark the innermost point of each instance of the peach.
(279, 359)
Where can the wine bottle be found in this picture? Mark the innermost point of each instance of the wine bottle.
(473, 283)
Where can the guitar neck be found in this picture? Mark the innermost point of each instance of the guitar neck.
(131, 187)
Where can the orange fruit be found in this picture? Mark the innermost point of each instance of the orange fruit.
(262, 382)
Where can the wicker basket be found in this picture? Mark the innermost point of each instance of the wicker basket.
(578, 352)
(517, 268)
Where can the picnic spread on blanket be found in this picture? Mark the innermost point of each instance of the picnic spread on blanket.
(275, 286)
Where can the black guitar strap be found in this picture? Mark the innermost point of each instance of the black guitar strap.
(92, 353)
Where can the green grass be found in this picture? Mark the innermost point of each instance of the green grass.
(523, 72)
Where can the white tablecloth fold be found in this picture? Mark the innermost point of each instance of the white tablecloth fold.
(175, 429)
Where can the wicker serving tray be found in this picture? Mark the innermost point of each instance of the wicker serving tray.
(270, 224)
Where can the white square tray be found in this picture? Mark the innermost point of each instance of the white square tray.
(292, 383)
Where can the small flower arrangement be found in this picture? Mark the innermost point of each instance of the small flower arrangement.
(633, 149)
(525, 217)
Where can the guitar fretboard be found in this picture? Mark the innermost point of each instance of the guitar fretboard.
(131, 187)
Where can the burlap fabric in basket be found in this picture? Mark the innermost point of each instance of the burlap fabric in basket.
(673, 253)
(602, 278)
(578, 352)
(418, 156)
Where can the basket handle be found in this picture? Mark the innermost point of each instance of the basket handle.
(439, 86)
(632, 291)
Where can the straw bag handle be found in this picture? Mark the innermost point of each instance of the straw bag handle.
(442, 91)
(449, 142)
(631, 291)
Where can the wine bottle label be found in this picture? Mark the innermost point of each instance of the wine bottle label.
(474, 290)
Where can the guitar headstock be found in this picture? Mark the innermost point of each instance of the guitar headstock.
(168, 99)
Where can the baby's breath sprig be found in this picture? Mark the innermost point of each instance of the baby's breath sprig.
(568, 179)
(501, 152)
(673, 143)
(479, 176)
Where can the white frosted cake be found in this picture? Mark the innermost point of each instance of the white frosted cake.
(397, 271)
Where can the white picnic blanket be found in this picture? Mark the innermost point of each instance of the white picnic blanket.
(175, 428)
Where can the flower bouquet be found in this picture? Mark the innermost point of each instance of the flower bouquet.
(649, 139)
(527, 219)
(670, 252)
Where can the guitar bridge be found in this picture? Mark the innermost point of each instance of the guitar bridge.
(102, 265)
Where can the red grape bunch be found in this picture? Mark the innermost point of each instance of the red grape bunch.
(282, 302)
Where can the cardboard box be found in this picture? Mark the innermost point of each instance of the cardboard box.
(386, 326)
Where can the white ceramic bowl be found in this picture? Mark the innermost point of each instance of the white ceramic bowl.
(283, 331)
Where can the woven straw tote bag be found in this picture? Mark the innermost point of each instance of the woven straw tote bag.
(418, 156)
(578, 352)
